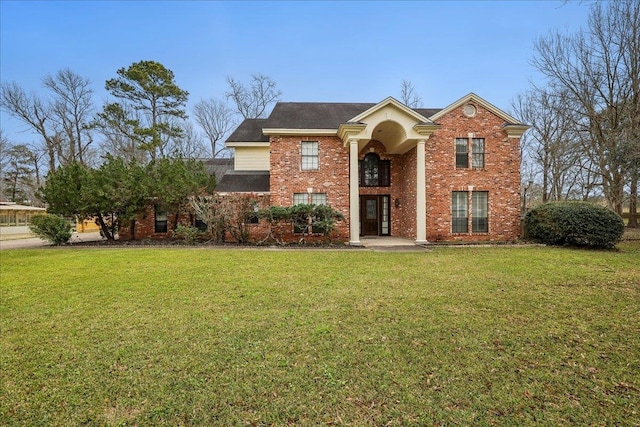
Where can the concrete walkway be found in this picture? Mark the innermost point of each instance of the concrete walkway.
(391, 244)
(379, 244)
(25, 242)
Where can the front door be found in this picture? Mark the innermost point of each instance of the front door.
(374, 215)
(369, 215)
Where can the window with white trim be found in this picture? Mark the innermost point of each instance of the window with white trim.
(308, 199)
(479, 212)
(459, 212)
(477, 152)
(309, 150)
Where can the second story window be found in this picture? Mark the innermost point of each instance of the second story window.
(477, 152)
(462, 153)
(375, 172)
(309, 155)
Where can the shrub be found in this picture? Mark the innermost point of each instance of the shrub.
(188, 233)
(53, 228)
(574, 224)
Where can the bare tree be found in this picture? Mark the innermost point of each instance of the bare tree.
(551, 143)
(4, 146)
(188, 145)
(599, 71)
(408, 94)
(252, 101)
(32, 111)
(61, 120)
(72, 107)
(216, 119)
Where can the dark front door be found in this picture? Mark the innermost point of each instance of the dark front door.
(369, 213)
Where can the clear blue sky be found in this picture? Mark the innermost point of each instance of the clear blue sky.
(354, 51)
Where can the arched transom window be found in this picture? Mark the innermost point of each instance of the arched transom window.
(375, 172)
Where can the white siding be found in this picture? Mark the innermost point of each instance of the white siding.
(251, 158)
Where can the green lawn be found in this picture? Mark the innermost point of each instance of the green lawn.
(193, 336)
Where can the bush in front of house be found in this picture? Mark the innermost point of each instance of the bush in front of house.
(53, 228)
(188, 233)
(574, 224)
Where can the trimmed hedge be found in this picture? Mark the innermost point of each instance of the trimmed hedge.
(574, 224)
(53, 228)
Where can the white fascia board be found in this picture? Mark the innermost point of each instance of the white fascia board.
(472, 97)
(248, 144)
(257, 193)
(319, 132)
(390, 101)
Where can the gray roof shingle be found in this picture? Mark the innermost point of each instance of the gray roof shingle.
(305, 115)
(218, 166)
(250, 130)
(244, 181)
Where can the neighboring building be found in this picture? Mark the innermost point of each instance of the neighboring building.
(424, 174)
(15, 219)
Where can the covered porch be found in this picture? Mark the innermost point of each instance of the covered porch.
(402, 133)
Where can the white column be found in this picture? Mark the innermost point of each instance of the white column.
(354, 196)
(421, 198)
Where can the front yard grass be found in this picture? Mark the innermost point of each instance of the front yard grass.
(183, 336)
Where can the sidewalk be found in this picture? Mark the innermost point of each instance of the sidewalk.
(392, 244)
(25, 242)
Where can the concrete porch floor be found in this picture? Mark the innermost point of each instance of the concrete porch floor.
(391, 244)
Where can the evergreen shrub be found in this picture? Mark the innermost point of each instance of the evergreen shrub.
(53, 228)
(574, 224)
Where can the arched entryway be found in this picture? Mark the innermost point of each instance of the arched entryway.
(399, 129)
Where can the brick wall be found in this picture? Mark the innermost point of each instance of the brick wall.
(500, 176)
(144, 227)
(331, 177)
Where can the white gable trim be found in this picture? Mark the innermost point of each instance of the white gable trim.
(472, 97)
(283, 131)
(386, 102)
(248, 144)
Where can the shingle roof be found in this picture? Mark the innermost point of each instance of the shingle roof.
(313, 115)
(321, 115)
(218, 167)
(244, 181)
(250, 130)
(427, 112)
(305, 115)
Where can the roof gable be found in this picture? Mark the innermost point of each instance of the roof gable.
(386, 103)
(472, 97)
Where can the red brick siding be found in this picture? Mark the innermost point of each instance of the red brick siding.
(144, 227)
(331, 177)
(500, 176)
(408, 227)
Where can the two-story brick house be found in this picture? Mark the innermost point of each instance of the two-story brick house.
(423, 174)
